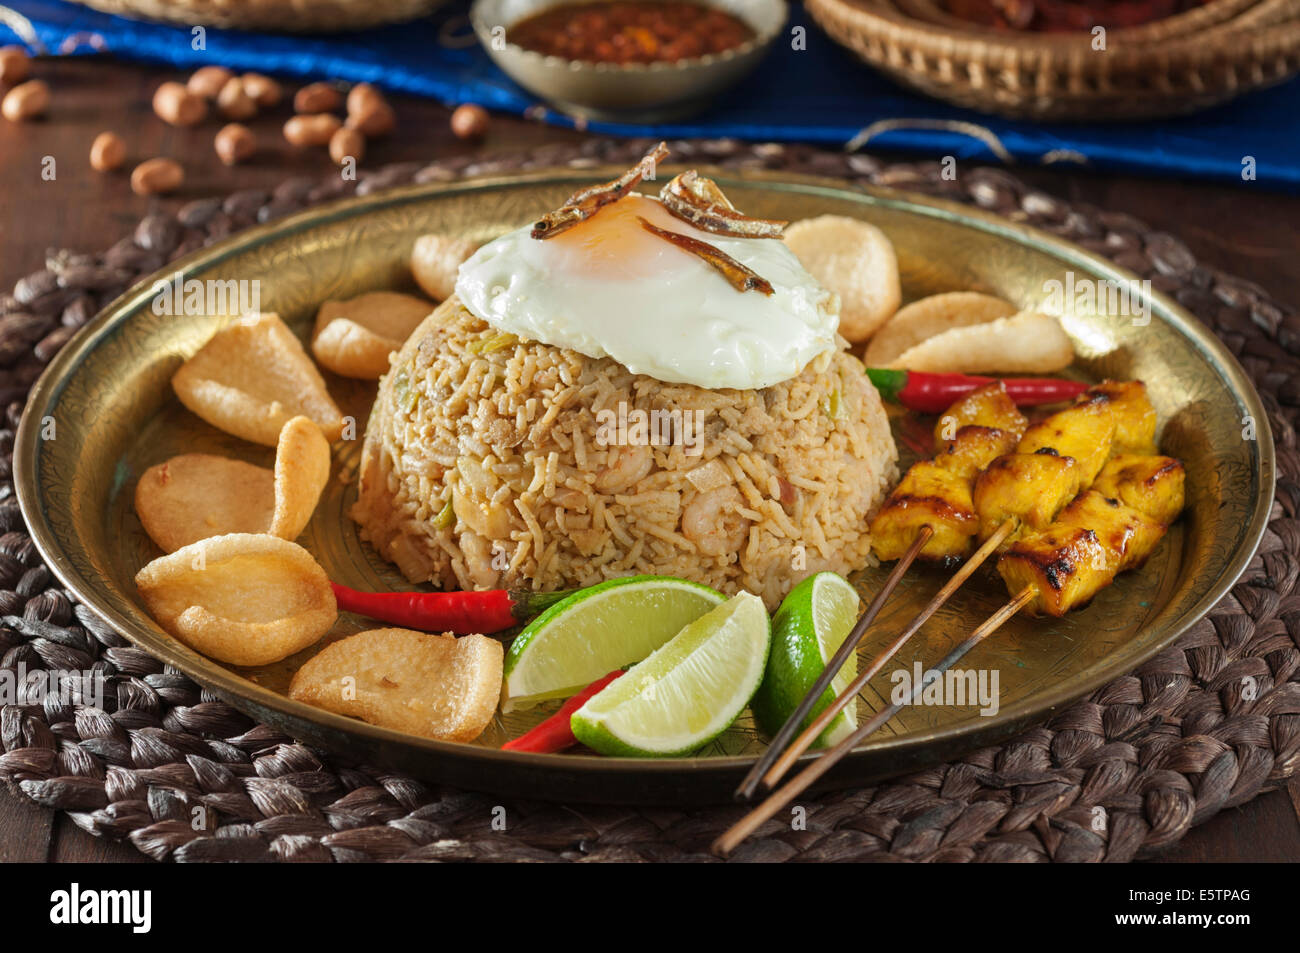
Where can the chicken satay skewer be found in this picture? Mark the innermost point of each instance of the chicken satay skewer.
(977, 429)
(932, 501)
(778, 799)
(1102, 533)
(810, 734)
(1153, 483)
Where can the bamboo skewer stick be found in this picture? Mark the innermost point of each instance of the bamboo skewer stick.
(850, 644)
(778, 799)
(810, 734)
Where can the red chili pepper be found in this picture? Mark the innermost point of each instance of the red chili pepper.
(490, 610)
(935, 393)
(555, 733)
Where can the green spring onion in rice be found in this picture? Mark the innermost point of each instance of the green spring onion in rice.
(481, 448)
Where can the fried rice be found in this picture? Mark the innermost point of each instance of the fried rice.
(492, 462)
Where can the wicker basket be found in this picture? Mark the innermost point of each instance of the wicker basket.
(288, 16)
(1179, 65)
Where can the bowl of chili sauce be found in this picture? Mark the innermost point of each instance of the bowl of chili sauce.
(628, 60)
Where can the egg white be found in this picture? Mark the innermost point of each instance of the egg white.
(665, 312)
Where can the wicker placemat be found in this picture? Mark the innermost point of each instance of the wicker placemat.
(1125, 772)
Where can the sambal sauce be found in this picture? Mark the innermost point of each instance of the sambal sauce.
(630, 31)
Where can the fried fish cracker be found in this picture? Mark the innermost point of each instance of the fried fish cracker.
(198, 495)
(354, 337)
(857, 262)
(302, 468)
(1025, 343)
(435, 686)
(253, 377)
(435, 262)
(242, 598)
(930, 316)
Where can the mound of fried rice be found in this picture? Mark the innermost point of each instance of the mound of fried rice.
(483, 467)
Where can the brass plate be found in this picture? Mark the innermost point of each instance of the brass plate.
(108, 396)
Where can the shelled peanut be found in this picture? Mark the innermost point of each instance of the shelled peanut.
(234, 143)
(175, 105)
(157, 176)
(26, 101)
(369, 112)
(107, 152)
(15, 65)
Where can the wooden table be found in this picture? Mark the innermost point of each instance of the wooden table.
(1247, 230)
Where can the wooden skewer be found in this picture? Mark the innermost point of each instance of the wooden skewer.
(846, 697)
(850, 644)
(778, 799)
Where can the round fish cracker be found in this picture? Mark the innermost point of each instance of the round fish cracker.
(929, 316)
(436, 261)
(355, 337)
(243, 599)
(198, 495)
(1025, 343)
(435, 686)
(302, 468)
(857, 262)
(251, 378)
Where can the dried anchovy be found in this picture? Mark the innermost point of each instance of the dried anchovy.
(584, 203)
(698, 201)
(738, 276)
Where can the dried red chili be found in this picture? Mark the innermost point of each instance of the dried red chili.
(1061, 16)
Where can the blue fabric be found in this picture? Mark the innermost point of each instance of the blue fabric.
(820, 95)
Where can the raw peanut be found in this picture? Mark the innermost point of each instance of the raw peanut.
(469, 122)
(107, 152)
(154, 176)
(314, 130)
(26, 100)
(15, 65)
(361, 94)
(377, 119)
(317, 98)
(347, 142)
(234, 143)
(265, 91)
(177, 106)
(233, 101)
(207, 81)
(368, 111)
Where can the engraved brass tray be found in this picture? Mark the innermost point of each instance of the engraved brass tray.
(108, 397)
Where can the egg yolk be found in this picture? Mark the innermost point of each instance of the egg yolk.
(612, 245)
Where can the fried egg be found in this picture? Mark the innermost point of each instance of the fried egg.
(608, 288)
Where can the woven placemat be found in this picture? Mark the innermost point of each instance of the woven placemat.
(185, 776)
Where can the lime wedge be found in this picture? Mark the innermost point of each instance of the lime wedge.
(810, 626)
(687, 692)
(597, 630)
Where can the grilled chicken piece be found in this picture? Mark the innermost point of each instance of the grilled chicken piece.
(987, 406)
(1152, 485)
(1094, 540)
(974, 448)
(1030, 488)
(1051, 563)
(1127, 534)
(1083, 431)
(927, 494)
(1135, 418)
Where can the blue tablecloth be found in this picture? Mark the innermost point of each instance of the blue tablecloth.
(820, 94)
